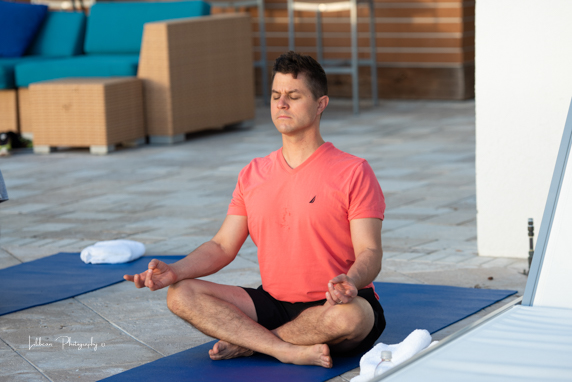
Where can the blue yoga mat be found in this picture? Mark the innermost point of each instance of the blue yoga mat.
(61, 276)
(407, 307)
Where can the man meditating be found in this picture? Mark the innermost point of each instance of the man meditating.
(315, 214)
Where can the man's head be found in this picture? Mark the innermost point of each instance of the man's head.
(295, 64)
(298, 95)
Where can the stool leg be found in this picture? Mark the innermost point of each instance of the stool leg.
(291, 25)
(264, 67)
(373, 53)
(355, 84)
(319, 42)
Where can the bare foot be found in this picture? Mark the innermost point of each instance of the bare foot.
(318, 355)
(226, 350)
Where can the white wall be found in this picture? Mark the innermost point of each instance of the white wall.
(523, 91)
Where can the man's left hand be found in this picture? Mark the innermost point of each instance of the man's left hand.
(341, 290)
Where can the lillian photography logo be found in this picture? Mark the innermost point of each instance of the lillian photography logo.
(63, 341)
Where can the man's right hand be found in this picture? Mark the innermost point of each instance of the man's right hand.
(158, 276)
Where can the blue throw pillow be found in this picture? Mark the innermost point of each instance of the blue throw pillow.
(19, 23)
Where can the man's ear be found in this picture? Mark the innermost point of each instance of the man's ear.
(323, 103)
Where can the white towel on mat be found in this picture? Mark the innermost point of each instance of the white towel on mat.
(418, 340)
(113, 252)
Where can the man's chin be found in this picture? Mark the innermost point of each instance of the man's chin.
(283, 127)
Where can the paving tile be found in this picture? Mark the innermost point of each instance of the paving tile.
(25, 208)
(243, 278)
(389, 254)
(455, 258)
(29, 253)
(500, 262)
(43, 242)
(63, 243)
(48, 227)
(13, 367)
(65, 333)
(454, 218)
(19, 194)
(477, 261)
(502, 278)
(394, 185)
(519, 265)
(23, 241)
(390, 224)
(467, 246)
(91, 215)
(410, 267)
(7, 260)
(408, 256)
(390, 276)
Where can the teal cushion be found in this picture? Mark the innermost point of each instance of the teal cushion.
(80, 66)
(118, 27)
(7, 66)
(61, 35)
(19, 23)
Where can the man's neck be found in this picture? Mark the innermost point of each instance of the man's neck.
(297, 149)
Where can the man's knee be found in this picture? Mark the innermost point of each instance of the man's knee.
(180, 295)
(353, 319)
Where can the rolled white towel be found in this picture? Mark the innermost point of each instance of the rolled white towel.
(416, 341)
(113, 252)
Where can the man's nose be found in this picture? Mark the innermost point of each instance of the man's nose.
(282, 104)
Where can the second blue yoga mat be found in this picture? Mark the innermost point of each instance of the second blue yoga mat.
(61, 276)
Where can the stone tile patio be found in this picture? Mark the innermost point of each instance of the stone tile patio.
(173, 198)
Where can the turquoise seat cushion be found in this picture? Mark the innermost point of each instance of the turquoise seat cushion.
(80, 66)
(61, 35)
(19, 23)
(117, 27)
(7, 66)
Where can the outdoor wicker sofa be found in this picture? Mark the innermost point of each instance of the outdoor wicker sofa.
(196, 71)
(60, 35)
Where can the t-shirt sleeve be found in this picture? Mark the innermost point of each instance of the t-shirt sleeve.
(237, 206)
(366, 199)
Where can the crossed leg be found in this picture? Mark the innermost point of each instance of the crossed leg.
(228, 313)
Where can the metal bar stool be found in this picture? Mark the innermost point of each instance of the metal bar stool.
(320, 6)
(262, 29)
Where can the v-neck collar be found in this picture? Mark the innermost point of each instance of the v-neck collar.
(325, 146)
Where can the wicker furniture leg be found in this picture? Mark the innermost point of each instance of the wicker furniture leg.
(8, 111)
(25, 113)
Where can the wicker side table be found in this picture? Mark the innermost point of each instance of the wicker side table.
(98, 113)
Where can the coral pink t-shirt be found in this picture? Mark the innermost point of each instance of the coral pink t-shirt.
(300, 218)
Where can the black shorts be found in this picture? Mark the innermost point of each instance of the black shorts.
(274, 313)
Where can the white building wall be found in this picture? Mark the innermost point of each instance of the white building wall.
(523, 91)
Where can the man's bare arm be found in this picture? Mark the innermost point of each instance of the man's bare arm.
(366, 239)
(207, 259)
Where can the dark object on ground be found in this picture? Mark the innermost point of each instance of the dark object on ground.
(13, 140)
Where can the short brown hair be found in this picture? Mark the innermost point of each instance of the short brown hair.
(294, 63)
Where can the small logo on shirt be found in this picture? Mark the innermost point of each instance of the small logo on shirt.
(313, 199)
